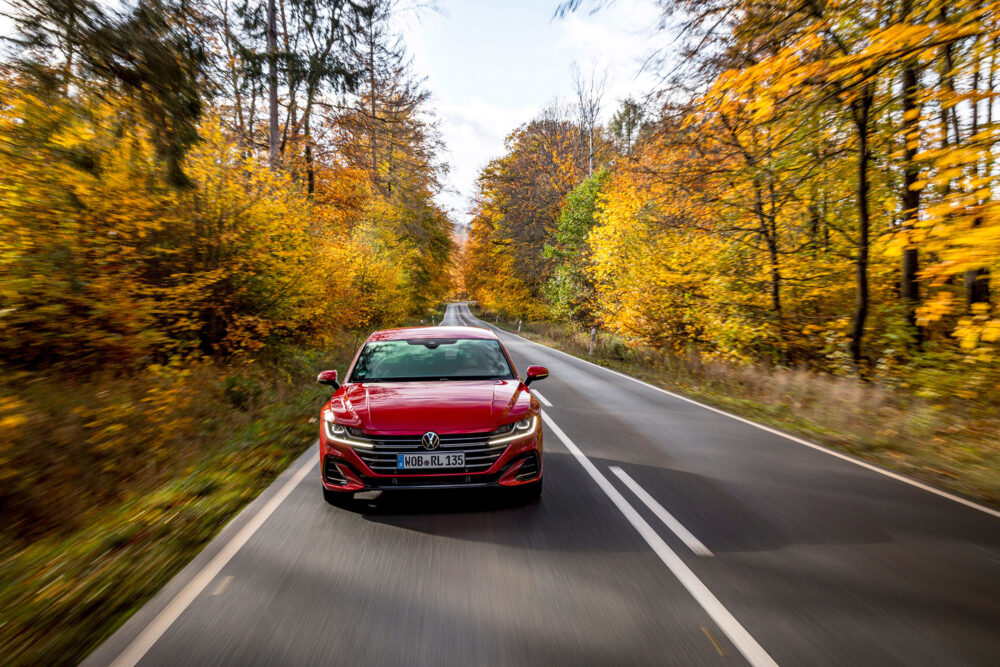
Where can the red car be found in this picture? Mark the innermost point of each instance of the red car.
(431, 408)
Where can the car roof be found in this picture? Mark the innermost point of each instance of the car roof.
(412, 333)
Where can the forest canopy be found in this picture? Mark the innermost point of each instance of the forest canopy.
(195, 179)
(813, 184)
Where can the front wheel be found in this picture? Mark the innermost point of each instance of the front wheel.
(529, 493)
(337, 498)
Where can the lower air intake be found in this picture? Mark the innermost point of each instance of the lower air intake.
(331, 473)
(529, 469)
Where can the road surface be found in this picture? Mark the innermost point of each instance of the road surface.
(668, 534)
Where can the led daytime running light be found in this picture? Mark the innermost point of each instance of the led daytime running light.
(519, 432)
(339, 434)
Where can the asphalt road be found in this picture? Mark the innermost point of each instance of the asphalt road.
(668, 534)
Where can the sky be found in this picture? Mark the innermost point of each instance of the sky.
(492, 65)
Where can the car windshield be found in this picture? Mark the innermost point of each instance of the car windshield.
(432, 359)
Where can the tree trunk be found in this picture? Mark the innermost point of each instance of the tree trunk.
(590, 150)
(310, 173)
(770, 228)
(272, 85)
(909, 285)
(371, 96)
(234, 78)
(977, 286)
(291, 121)
(977, 281)
(862, 114)
(70, 43)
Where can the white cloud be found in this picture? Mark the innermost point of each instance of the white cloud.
(474, 132)
(492, 66)
(618, 39)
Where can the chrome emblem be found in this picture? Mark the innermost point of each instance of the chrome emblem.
(431, 440)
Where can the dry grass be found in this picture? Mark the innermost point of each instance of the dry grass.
(951, 442)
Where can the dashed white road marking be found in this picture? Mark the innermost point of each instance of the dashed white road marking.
(675, 526)
(737, 634)
(546, 402)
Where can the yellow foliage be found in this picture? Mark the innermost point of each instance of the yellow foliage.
(102, 262)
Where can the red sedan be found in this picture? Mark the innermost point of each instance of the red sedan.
(431, 408)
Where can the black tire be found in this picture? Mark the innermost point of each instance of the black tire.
(338, 498)
(529, 493)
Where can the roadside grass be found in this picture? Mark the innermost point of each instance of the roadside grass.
(950, 442)
(74, 574)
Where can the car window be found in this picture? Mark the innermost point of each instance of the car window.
(431, 359)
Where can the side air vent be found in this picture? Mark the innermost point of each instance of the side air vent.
(529, 469)
(331, 473)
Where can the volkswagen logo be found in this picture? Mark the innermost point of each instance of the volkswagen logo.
(431, 440)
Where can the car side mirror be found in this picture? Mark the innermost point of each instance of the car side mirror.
(535, 373)
(328, 378)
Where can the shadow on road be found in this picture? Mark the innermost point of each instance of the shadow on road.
(454, 501)
(569, 516)
(574, 515)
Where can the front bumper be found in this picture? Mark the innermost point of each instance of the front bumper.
(343, 470)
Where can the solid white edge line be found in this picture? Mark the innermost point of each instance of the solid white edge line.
(737, 634)
(546, 402)
(135, 651)
(675, 526)
(820, 448)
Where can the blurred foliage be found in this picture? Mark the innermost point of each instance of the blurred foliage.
(106, 264)
(160, 276)
(139, 475)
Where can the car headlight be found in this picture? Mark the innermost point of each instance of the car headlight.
(522, 428)
(339, 433)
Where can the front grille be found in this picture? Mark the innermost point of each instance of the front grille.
(479, 454)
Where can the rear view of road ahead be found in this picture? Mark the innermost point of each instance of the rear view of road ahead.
(668, 533)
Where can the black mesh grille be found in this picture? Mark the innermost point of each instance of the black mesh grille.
(403, 482)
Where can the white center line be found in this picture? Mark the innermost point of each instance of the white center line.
(741, 639)
(678, 529)
(152, 632)
(546, 402)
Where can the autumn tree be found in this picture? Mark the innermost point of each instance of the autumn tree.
(836, 158)
(516, 211)
(570, 289)
(144, 52)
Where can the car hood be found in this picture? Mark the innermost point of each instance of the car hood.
(431, 406)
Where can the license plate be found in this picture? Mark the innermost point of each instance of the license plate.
(413, 461)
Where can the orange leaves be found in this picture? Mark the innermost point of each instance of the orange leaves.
(101, 262)
(517, 210)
